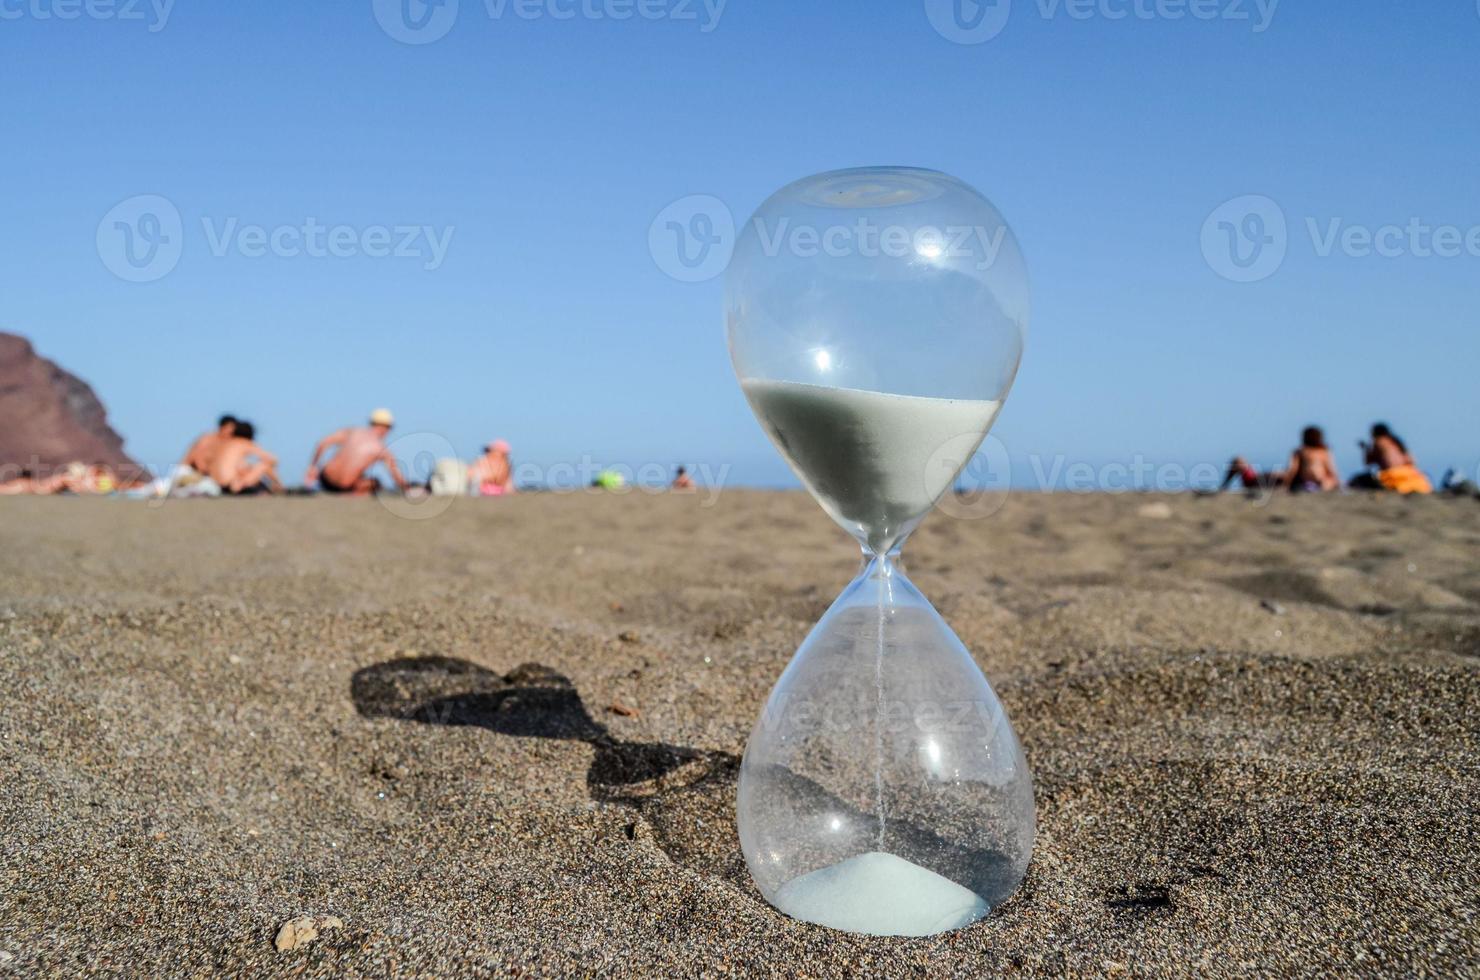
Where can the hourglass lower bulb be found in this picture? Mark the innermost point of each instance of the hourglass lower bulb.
(883, 789)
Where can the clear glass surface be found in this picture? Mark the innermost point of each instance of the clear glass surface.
(875, 320)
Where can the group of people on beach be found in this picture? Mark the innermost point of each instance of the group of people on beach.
(1312, 468)
(228, 461)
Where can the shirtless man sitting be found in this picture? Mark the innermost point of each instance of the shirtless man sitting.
(359, 450)
(194, 468)
(202, 452)
(240, 466)
(490, 474)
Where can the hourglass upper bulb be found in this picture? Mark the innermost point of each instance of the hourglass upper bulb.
(875, 318)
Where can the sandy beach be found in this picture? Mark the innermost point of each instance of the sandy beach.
(1253, 732)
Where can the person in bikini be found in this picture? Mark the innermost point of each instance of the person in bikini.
(75, 478)
(491, 475)
(241, 467)
(1311, 468)
(359, 449)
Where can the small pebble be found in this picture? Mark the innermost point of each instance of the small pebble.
(304, 930)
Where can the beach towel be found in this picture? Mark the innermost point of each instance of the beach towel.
(449, 478)
(185, 482)
(1404, 479)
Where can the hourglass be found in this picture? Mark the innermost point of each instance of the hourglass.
(875, 320)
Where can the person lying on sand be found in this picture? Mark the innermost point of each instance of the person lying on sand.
(241, 467)
(1311, 468)
(1396, 469)
(78, 478)
(1249, 478)
(358, 450)
(490, 475)
(23, 482)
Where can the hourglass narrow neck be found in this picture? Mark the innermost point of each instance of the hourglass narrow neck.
(881, 582)
(881, 565)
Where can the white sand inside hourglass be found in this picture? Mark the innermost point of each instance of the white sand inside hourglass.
(874, 459)
(882, 895)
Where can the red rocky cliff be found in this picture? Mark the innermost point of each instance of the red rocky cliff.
(49, 418)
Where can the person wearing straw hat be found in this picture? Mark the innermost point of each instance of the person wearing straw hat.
(359, 449)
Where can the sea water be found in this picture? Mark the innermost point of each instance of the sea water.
(876, 461)
(882, 895)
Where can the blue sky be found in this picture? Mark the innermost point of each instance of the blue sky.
(545, 145)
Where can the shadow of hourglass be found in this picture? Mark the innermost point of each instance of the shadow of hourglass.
(684, 795)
